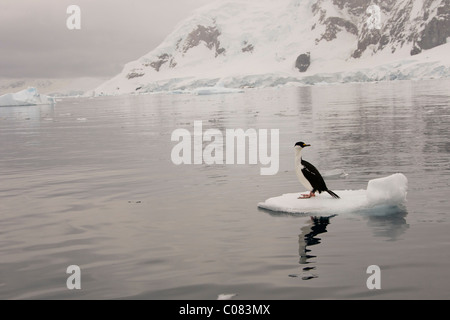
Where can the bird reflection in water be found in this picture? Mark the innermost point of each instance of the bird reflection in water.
(307, 238)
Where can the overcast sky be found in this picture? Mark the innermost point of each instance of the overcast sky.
(36, 43)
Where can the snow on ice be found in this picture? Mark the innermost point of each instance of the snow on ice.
(380, 195)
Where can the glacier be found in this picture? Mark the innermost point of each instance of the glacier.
(27, 97)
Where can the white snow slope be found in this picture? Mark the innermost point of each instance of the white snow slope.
(255, 43)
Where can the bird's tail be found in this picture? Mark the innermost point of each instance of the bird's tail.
(334, 195)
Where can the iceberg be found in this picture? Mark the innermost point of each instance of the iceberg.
(381, 195)
(27, 97)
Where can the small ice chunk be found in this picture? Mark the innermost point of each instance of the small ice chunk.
(388, 190)
(226, 296)
(335, 174)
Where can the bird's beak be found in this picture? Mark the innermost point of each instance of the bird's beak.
(306, 145)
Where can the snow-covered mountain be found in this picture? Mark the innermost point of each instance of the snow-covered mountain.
(251, 43)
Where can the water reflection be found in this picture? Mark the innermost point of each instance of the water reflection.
(32, 113)
(387, 222)
(306, 239)
(390, 225)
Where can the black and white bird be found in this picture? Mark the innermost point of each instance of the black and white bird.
(308, 175)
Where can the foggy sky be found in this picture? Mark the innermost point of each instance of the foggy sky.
(36, 43)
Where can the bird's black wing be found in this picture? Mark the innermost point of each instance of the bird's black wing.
(313, 176)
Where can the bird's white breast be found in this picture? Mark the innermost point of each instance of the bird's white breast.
(300, 176)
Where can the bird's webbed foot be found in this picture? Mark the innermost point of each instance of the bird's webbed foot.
(307, 196)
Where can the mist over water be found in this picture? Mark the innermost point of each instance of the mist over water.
(90, 182)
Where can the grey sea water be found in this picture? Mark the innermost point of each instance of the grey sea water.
(90, 182)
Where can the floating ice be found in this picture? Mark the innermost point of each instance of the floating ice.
(27, 97)
(335, 174)
(226, 296)
(381, 193)
(388, 191)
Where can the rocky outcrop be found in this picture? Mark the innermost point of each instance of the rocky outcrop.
(248, 47)
(208, 35)
(162, 59)
(335, 25)
(419, 25)
(134, 74)
(303, 61)
(437, 30)
(414, 24)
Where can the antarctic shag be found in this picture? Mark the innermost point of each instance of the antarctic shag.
(308, 175)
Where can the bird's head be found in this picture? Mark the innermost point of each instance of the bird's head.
(300, 145)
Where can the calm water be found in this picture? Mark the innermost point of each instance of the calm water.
(91, 183)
